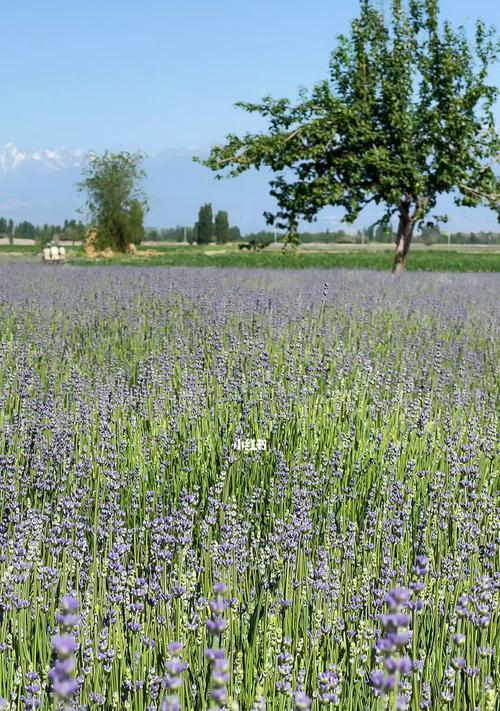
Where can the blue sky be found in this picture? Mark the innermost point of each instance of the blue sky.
(158, 74)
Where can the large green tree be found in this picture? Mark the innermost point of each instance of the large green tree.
(406, 116)
(114, 198)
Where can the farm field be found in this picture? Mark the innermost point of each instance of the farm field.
(437, 258)
(420, 260)
(254, 489)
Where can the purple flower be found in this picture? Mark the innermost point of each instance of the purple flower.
(216, 625)
(173, 682)
(213, 654)
(397, 596)
(69, 603)
(175, 648)
(219, 694)
(390, 683)
(405, 666)
(171, 703)
(67, 620)
(402, 703)
(391, 664)
(220, 677)
(62, 667)
(175, 666)
(64, 645)
(65, 687)
(377, 679)
(422, 565)
(401, 639)
(301, 701)
(217, 607)
(385, 645)
(395, 620)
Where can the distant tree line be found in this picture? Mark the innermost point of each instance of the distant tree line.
(217, 229)
(205, 230)
(428, 235)
(432, 234)
(208, 229)
(70, 230)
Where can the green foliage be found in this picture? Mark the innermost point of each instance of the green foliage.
(221, 227)
(406, 115)
(234, 234)
(71, 230)
(153, 235)
(136, 222)
(25, 230)
(115, 202)
(204, 228)
(349, 258)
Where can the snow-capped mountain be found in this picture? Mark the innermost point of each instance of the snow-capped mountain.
(40, 186)
(12, 157)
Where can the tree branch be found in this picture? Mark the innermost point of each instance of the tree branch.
(494, 199)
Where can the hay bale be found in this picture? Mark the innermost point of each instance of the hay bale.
(90, 239)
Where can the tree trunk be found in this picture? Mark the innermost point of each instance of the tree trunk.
(403, 237)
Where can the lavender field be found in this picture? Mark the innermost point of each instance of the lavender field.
(248, 489)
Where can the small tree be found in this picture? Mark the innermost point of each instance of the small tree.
(115, 201)
(204, 228)
(221, 227)
(406, 116)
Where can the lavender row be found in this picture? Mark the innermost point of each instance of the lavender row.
(349, 561)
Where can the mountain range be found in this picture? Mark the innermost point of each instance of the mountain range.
(39, 185)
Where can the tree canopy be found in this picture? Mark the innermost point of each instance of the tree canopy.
(405, 116)
(204, 228)
(115, 200)
(221, 227)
